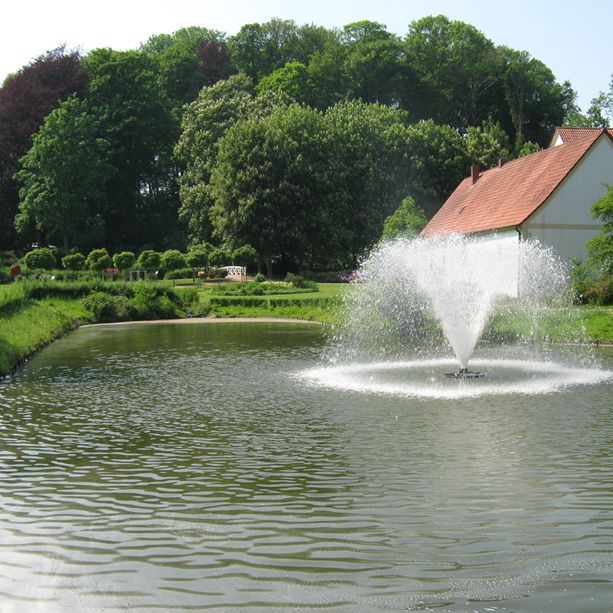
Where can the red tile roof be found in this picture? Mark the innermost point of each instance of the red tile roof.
(568, 133)
(506, 196)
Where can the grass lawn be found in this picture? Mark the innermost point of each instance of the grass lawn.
(24, 331)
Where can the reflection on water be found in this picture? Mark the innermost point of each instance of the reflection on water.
(187, 468)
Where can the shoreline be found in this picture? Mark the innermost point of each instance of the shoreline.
(208, 320)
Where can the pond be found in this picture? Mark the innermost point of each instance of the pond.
(190, 467)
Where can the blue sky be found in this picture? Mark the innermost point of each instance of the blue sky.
(571, 37)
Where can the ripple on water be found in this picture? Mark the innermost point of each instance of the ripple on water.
(242, 486)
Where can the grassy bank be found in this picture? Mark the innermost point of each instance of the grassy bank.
(33, 315)
(33, 324)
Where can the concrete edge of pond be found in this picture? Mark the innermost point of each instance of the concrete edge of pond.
(211, 320)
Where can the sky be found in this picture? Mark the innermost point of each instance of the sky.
(571, 37)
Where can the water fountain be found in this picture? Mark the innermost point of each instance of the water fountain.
(415, 301)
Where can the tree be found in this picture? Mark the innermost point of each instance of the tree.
(220, 257)
(98, 260)
(292, 80)
(437, 161)
(537, 103)
(74, 261)
(457, 70)
(135, 116)
(41, 258)
(245, 256)
(486, 144)
(26, 97)
(149, 260)
(172, 259)
(215, 59)
(600, 248)
(408, 220)
(372, 62)
(259, 49)
(64, 178)
(198, 255)
(204, 124)
(369, 174)
(124, 260)
(268, 184)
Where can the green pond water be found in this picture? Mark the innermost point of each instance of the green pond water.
(191, 467)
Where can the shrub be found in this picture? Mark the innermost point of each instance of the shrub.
(74, 261)
(98, 260)
(259, 278)
(180, 273)
(299, 281)
(598, 292)
(5, 276)
(107, 307)
(41, 258)
(152, 304)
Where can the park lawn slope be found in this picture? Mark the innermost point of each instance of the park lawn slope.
(25, 330)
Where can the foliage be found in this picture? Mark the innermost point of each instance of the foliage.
(205, 122)
(64, 178)
(487, 144)
(220, 257)
(528, 148)
(600, 248)
(98, 260)
(298, 281)
(149, 260)
(159, 122)
(437, 161)
(259, 278)
(408, 220)
(198, 255)
(108, 307)
(74, 261)
(124, 260)
(245, 256)
(172, 259)
(41, 258)
(26, 97)
(127, 97)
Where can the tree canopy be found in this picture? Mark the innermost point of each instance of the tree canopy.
(296, 139)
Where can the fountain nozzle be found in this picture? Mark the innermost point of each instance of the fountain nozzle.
(463, 373)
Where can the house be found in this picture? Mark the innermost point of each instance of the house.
(547, 195)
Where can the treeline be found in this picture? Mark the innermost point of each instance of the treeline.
(298, 140)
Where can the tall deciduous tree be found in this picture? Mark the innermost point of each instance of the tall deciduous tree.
(205, 122)
(126, 95)
(26, 97)
(437, 161)
(457, 70)
(64, 178)
(269, 184)
(370, 171)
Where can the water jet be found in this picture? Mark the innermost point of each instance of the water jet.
(420, 306)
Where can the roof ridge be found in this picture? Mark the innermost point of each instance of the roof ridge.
(505, 196)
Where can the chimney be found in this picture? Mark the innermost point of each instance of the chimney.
(474, 173)
(501, 162)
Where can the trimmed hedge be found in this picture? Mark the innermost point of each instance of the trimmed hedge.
(271, 303)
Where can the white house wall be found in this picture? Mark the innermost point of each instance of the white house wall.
(565, 220)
